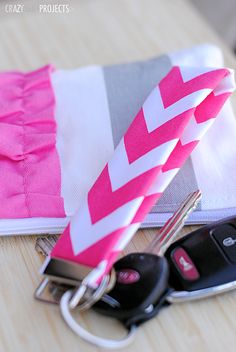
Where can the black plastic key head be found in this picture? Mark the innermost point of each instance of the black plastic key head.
(204, 260)
(140, 289)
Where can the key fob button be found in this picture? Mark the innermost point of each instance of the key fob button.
(127, 276)
(140, 289)
(225, 237)
(184, 264)
(212, 251)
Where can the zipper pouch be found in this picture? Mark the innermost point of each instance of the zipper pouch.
(59, 128)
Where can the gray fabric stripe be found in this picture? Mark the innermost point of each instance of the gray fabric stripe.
(183, 183)
(127, 86)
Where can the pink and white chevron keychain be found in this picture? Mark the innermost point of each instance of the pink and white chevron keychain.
(171, 122)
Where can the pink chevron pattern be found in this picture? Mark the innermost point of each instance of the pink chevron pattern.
(169, 125)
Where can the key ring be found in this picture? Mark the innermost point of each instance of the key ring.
(84, 294)
(106, 285)
(86, 335)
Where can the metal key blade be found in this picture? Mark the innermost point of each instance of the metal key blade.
(44, 245)
(172, 227)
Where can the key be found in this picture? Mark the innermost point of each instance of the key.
(170, 230)
(45, 244)
(203, 263)
(140, 290)
(142, 278)
(174, 225)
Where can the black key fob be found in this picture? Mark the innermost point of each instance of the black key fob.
(140, 289)
(203, 262)
(200, 264)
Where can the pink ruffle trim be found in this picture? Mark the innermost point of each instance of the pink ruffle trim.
(30, 177)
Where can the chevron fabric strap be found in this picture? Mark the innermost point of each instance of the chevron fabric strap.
(172, 120)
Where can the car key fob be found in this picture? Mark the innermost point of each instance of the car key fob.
(203, 262)
(142, 281)
(200, 264)
(141, 287)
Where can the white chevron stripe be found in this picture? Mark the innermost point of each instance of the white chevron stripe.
(121, 171)
(227, 85)
(162, 181)
(188, 72)
(194, 131)
(126, 237)
(84, 234)
(156, 115)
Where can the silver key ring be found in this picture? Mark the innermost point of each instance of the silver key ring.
(88, 299)
(86, 335)
(87, 302)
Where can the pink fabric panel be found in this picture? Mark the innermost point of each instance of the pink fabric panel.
(30, 177)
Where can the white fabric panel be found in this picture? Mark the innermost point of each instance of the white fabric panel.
(207, 55)
(213, 160)
(84, 135)
(196, 218)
